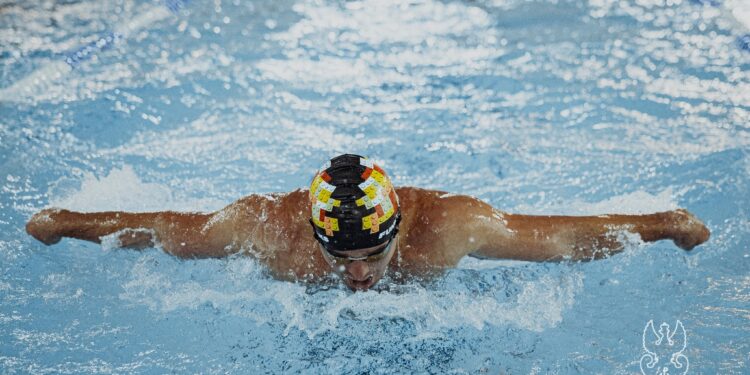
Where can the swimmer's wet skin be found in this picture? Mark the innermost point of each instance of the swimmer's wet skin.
(360, 222)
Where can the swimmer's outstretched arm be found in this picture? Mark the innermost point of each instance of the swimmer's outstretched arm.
(186, 235)
(544, 238)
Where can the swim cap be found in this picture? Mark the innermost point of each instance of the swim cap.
(354, 205)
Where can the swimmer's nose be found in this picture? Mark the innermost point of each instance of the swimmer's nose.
(358, 271)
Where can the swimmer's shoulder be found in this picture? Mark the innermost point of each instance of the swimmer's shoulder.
(267, 200)
(273, 220)
(426, 199)
(437, 227)
(289, 210)
(415, 195)
(422, 208)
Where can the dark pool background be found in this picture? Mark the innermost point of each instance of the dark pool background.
(533, 106)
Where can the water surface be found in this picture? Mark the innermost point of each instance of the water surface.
(533, 106)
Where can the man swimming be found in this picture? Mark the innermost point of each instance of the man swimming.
(354, 223)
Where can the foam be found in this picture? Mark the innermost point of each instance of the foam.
(123, 190)
(637, 202)
(240, 288)
(382, 23)
(740, 11)
(47, 82)
(474, 263)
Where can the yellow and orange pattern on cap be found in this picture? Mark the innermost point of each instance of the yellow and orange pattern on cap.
(321, 202)
(379, 194)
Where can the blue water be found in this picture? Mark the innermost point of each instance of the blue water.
(533, 106)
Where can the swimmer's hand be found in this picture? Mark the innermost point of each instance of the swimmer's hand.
(45, 226)
(687, 231)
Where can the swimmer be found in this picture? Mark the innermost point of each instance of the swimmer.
(354, 223)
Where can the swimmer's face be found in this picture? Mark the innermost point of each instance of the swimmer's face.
(362, 268)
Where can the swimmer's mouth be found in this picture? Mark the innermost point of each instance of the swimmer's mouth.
(360, 284)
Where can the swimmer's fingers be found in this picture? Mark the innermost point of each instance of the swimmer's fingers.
(689, 231)
(45, 226)
(136, 239)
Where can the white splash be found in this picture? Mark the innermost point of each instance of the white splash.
(239, 287)
(123, 190)
(637, 202)
(49, 77)
(739, 10)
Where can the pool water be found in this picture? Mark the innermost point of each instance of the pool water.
(552, 107)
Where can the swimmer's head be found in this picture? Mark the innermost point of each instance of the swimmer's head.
(355, 217)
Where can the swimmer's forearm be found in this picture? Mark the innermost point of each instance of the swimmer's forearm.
(584, 238)
(93, 226)
(50, 225)
(181, 234)
(542, 238)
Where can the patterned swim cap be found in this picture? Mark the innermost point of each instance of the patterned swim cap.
(353, 203)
